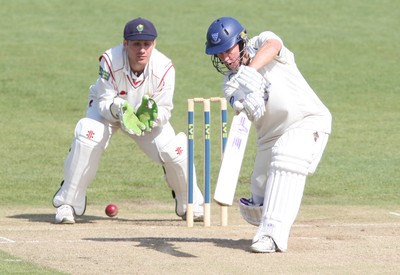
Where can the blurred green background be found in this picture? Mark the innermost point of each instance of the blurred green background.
(347, 50)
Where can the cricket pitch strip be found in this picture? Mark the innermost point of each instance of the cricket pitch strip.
(324, 240)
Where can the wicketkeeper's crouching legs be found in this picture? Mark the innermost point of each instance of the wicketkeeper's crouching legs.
(81, 165)
(175, 158)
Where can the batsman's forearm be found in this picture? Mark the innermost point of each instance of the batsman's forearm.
(266, 54)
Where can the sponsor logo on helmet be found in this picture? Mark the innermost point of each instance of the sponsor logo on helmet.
(215, 38)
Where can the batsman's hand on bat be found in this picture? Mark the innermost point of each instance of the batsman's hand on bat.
(250, 80)
(253, 86)
(252, 104)
(147, 112)
(130, 123)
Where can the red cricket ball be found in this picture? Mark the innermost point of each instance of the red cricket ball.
(111, 210)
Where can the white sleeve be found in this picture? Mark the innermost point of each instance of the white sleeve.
(163, 96)
(107, 93)
(263, 37)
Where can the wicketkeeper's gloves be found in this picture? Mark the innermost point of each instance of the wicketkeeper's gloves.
(147, 112)
(129, 121)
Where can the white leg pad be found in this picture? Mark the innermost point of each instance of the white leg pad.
(291, 158)
(81, 164)
(281, 204)
(174, 156)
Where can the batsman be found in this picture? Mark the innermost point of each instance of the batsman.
(292, 125)
(133, 92)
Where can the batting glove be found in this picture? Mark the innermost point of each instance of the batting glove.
(254, 106)
(251, 80)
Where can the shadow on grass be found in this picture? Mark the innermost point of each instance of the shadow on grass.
(168, 245)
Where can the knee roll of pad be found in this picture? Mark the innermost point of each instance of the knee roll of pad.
(91, 132)
(175, 151)
(293, 152)
(290, 164)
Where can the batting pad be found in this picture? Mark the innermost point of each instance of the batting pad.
(291, 158)
(81, 164)
(174, 156)
(281, 204)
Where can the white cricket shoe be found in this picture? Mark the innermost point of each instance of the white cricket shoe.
(65, 214)
(197, 216)
(265, 244)
(198, 212)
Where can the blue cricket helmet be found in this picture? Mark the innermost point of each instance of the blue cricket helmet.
(223, 34)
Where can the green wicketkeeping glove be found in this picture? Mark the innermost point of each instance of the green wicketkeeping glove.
(129, 121)
(147, 112)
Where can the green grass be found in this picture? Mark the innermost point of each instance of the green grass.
(49, 49)
(13, 265)
(347, 50)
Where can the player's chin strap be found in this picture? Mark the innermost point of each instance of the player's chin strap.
(218, 65)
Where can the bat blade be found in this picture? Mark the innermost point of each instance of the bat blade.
(232, 160)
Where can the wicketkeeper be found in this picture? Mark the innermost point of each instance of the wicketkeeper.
(134, 91)
(292, 124)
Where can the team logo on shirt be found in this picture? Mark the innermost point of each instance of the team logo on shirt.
(104, 74)
(215, 38)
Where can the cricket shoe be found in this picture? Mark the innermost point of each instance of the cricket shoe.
(65, 215)
(198, 212)
(265, 244)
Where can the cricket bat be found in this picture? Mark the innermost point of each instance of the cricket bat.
(232, 160)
